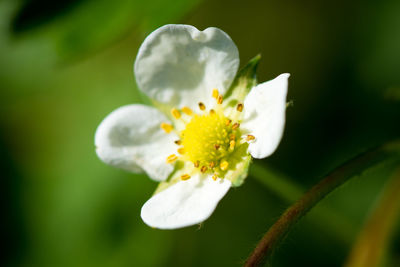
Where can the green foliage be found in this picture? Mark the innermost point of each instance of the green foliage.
(92, 24)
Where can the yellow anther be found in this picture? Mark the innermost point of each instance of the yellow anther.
(227, 122)
(250, 137)
(216, 146)
(166, 127)
(178, 142)
(175, 113)
(187, 111)
(171, 158)
(239, 107)
(232, 137)
(220, 99)
(212, 164)
(215, 93)
(214, 177)
(224, 165)
(203, 169)
(212, 112)
(232, 144)
(185, 177)
(202, 106)
(235, 126)
(181, 150)
(196, 164)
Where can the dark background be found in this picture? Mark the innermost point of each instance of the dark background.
(64, 65)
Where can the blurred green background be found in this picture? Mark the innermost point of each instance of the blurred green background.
(64, 65)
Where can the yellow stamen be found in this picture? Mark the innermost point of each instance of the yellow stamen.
(220, 99)
(166, 127)
(216, 146)
(212, 112)
(203, 169)
(235, 126)
(196, 164)
(239, 107)
(181, 150)
(227, 122)
(232, 144)
(187, 111)
(224, 165)
(214, 177)
(202, 106)
(250, 137)
(178, 142)
(232, 137)
(185, 177)
(171, 158)
(212, 164)
(215, 93)
(175, 113)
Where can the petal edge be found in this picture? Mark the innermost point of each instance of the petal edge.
(179, 65)
(130, 138)
(184, 203)
(264, 116)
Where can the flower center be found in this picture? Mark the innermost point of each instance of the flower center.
(208, 139)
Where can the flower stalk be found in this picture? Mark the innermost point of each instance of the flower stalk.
(293, 214)
(338, 227)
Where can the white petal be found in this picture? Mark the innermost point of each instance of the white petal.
(180, 66)
(264, 116)
(185, 203)
(130, 138)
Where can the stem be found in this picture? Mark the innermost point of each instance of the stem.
(336, 178)
(374, 238)
(337, 227)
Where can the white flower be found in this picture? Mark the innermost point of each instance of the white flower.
(199, 141)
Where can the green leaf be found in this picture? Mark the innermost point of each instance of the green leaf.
(91, 25)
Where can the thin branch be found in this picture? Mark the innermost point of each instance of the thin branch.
(337, 227)
(292, 215)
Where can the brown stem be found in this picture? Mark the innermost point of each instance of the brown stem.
(336, 178)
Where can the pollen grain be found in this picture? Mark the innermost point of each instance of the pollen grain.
(166, 127)
(185, 177)
(171, 158)
(187, 111)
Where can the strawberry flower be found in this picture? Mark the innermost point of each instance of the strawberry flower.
(206, 124)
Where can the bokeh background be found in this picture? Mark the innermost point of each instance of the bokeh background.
(64, 65)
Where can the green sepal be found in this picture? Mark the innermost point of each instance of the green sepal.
(240, 159)
(245, 79)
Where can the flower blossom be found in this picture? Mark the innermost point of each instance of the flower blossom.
(207, 122)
